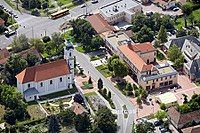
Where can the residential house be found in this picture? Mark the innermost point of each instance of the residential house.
(190, 47)
(47, 78)
(120, 10)
(141, 59)
(32, 50)
(194, 129)
(182, 120)
(165, 4)
(4, 55)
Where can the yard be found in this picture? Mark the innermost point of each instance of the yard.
(103, 69)
(35, 112)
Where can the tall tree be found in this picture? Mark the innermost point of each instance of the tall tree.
(162, 35)
(53, 124)
(82, 123)
(160, 115)
(129, 87)
(37, 44)
(20, 43)
(110, 67)
(105, 120)
(144, 127)
(119, 68)
(32, 60)
(9, 117)
(96, 43)
(67, 117)
(100, 84)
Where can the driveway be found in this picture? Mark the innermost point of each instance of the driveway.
(155, 9)
(185, 83)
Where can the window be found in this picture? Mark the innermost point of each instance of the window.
(29, 85)
(170, 82)
(165, 78)
(70, 54)
(41, 84)
(166, 83)
(170, 77)
(60, 79)
(161, 84)
(161, 79)
(153, 81)
(147, 87)
(68, 77)
(156, 79)
(147, 82)
(51, 82)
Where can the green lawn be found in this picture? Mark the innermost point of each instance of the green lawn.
(90, 94)
(93, 58)
(86, 85)
(196, 15)
(103, 69)
(35, 112)
(80, 49)
(59, 94)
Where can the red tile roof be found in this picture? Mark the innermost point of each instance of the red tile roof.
(180, 119)
(44, 71)
(130, 51)
(4, 55)
(1, 22)
(78, 108)
(30, 51)
(194, 129)
(99, 24)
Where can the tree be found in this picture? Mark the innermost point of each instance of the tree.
(129, 87)
(96, 43)
(144, 127)
(104, 93)
(100, 84)
(53, 124)
(194, 32)
(162, 35)
(184, 108)
(144, 94)
(78, 98)
(32, 60)
(160, 115)
(105, 120)
(90, 80)
(67, 117)
(20, 43)
(163, 106)
(175, 55)
(13, 66)
(119, 68)
(109, 94)
(194, 105)
(139, 101)
(110, 67)
(187, 8)
(46, 39)
(37, 44)
(144, 35)
(9, 117)
(181, 33)
(82, 123)
(185, 97)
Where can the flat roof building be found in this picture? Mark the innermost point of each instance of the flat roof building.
(120, 10)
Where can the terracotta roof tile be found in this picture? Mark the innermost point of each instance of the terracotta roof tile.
(44, 71)
(194, 129)
(130, 51)
(78, 108)
(179, 118)
(1, 22)
(4, 55)
(99, 24)
(30, 51)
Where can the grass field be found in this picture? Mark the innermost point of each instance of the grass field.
(90, 94)
(35, 112)
(103, 69)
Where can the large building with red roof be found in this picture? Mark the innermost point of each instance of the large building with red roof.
(141, 58)
(47, 78)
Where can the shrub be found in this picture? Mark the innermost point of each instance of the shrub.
(35, 12)
(129, 93)
(109, 94)
(137, 92)
(163, 106)
(90, 80)
(46, 39)
(104, 92)
(139, 101)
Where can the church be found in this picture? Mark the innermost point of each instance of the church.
(47, 78)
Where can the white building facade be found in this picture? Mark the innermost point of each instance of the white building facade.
(47, 78)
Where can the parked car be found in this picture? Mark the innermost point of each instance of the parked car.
(175, 9)
(94, 1)
(163, 130)
(9, 33)
(84, 5)
(157, 123)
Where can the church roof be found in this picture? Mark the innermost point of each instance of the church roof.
(44, 71)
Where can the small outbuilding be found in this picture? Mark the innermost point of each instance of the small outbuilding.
(167, 98)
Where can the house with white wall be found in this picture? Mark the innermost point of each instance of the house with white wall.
(47, 78)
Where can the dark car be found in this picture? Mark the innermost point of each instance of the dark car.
(157, 123)
(163, 130)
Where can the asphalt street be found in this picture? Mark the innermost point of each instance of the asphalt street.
(34, 27)
(118, 98)
(37, 27)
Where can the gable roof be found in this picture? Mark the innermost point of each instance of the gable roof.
(194, 129)
(130, 52)
(32, 50)
(99, 24)
(44, 72)
(179, 118)
(4, 55)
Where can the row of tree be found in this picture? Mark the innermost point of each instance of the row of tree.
(103, 122)
(84, 33)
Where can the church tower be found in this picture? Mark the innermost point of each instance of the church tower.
(69, 56)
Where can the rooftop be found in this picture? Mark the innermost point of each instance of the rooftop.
(117, 7)
(44, 71)
(29, 51)
(194, 129)
(4, 55)
(1, 22)
(99, 24)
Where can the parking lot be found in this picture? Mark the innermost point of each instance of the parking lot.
(155, 9)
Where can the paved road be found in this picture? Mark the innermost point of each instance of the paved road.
(34, 27)
(118, 98)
